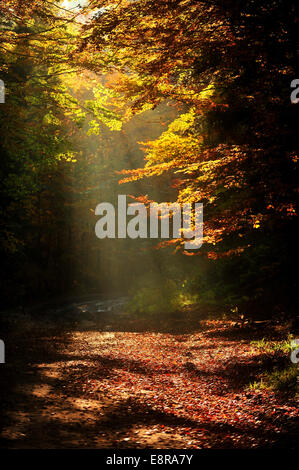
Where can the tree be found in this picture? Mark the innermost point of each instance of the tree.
(234, 145)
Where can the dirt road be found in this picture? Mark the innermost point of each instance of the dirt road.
(121, 383)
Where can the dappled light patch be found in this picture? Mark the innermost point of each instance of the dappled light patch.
(122, 389)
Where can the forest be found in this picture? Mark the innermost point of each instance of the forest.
(164, 101)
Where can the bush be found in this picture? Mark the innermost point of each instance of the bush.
(153, 298)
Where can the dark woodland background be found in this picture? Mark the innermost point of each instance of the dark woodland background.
(62, 149)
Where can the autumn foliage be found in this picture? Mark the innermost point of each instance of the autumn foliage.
(231, 144)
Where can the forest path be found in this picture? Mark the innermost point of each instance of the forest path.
(124, 383)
